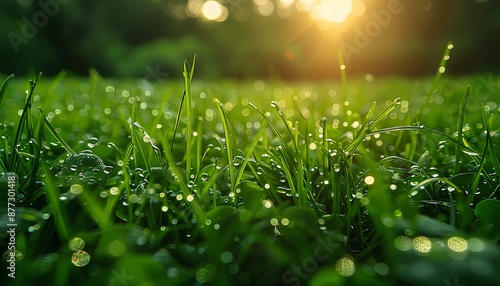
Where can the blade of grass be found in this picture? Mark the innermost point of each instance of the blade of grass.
(5, 84)
(462, 205)
(288, 152)
(423, 129)
(440, 71)
(94, 209)
(29, 183)
(177, 121)
(494, 159)
(229, 150)
(113, 200)
(58, 211)
(186, 191)
(188, 76)
(367, 128)
(56, 135)
(249, 152)
(22, 125)
(460, 124)
(480, 168)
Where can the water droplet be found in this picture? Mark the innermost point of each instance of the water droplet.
(116, 248)
(9, 254)
(345, 266)
(422, 244)
(76, 244)
(80, 258)
(204, 177)
(226, 257)
(76, 189)
(205, 274)
(336, 168)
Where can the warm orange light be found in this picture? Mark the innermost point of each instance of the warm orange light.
(331, 11)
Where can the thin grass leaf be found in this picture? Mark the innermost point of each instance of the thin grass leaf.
(293, 135)
(367, 128)
(460, 124)
(5, 84)
(480, 168)
(468, 147)
(441, 69)
(29, 183)
(188, 76)
(229, 148)
(462, 205)
(494, 159)
(186, 192)
(250, 151)
(288, 152)
(24, 124)
(56, 135)
(125, 185)
(177, 121)
(58, 211)
(94, 209)
(6, 156)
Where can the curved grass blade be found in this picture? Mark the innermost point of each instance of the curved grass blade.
(462, 205)
(288, 152)
(5, 84)
(370, 126)
(423, 129)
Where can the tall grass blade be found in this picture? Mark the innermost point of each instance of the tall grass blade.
(58, 211)
(5, 84)
(186, 191)
(177, 121)
(229, 148)
(440, 71)
(494, 159)
(249, 152)
(29, 183)
(24, 124)
(288, 152)
(188, 76)
(460, 125)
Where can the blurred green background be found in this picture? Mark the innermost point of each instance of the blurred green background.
(247, 39)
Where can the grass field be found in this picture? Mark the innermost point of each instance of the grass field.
(363, 182)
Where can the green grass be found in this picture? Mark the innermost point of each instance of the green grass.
(229, 183)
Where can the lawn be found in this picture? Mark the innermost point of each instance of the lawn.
(367, 181)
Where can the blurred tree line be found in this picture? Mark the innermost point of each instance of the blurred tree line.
(151, 38)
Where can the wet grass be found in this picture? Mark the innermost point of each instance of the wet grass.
(367, 181)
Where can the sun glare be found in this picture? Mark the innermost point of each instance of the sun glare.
(332, 11)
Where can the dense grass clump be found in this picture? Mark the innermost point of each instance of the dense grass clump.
(373, 182)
